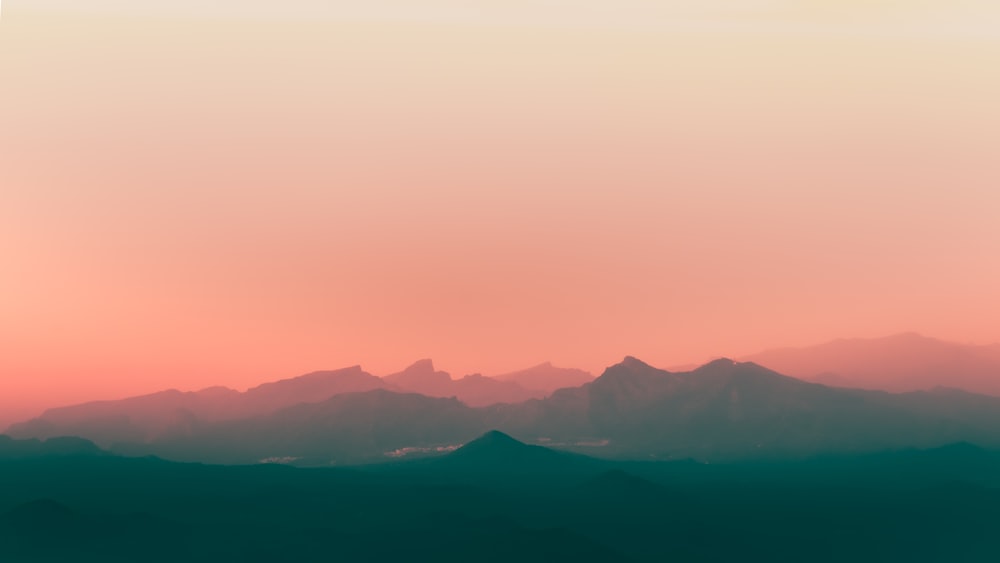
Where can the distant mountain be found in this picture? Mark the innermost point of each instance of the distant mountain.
(421, 377)
(175, 413)
(729, 410)
(546, 378)
(903, 362)
(724, 410)
(170, 414)
(310, 388)
(133, 419)
(474, 390)
(721, 411)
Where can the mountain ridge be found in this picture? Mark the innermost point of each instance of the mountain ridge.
(898, 363)
(722, 410)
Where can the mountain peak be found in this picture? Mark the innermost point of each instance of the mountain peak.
(632, 362)
(492, 440)
(631, 367)
(493, 445)
(425, 365)
(720, 363)
(495, 451)
(421, 377)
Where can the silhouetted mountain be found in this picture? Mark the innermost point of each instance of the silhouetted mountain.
(310, 388)
(903, 362)
(477, 390)
(498, 460)
(546, 378)
(722, 410)
(134, 419)
(474, 390)
(172, 413)
(495, 451)
(421, 377)
(729, 409)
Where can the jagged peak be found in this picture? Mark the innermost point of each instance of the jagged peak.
(420, 371)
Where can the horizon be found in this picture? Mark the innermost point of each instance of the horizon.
(23, 413)
(241, 193)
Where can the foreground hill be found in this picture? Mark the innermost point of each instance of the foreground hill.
(497, 499)
(904, 362)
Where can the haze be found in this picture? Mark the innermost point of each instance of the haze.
(232, 194)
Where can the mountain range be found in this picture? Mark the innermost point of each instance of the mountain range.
(723, 410)
(172, 414)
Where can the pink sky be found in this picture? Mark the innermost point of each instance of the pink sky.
(192, 197)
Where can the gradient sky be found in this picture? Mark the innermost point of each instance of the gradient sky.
(197, 193)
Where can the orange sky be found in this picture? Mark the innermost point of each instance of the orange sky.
(194, 196)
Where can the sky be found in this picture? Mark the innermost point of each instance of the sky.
(196, 193)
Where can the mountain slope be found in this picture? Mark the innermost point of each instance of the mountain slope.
(727, 409)
(903, 362)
